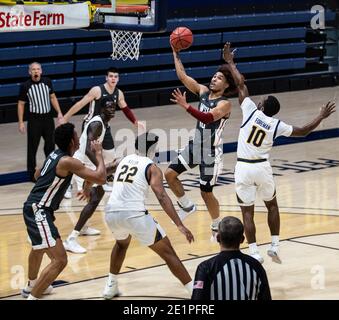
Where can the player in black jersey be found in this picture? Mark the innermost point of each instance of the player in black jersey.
(45, 197)
(108, 90)
(205, 149)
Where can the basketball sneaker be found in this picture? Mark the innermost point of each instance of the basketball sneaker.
(185, 212)
(68, 193)
(72, 245)
(111, 290)
(28, 289)
(88, 231)
(214, 229)
(257, 256)
(273, 253)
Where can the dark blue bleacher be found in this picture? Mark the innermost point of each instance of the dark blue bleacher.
(247, 20)
(197, 72)
(83, 65)
(49, 69)
(83, 53)
(36, 51)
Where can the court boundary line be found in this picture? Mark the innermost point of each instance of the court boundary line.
(102, 207)
(184, 260)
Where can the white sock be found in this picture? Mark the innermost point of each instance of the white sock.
(253, 248)
(32, 283)
(189, 287)
(74, 234)
(185, 201)
(112, 277)
(30, 297)
(275, 240)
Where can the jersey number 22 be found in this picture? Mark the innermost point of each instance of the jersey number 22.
(127, 174)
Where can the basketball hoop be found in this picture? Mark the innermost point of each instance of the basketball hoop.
(125, 44)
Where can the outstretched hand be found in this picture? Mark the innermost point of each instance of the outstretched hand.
(228, 55)
(179, 98)
(326, 111)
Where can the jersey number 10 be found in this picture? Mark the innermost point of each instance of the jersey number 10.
(256, 136)
(127, 174)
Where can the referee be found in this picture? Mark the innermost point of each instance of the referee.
(38, 91)
(231, 275)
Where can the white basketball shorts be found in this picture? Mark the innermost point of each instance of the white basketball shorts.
(138, 224)
(252, 179)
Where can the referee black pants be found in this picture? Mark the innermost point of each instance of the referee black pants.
(38, 125)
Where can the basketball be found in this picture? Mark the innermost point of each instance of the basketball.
(181, 38)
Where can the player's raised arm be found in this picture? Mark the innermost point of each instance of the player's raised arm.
(156, 178)
(93, 94)
(222, 110)
(325, 112)
(237, 76)
(190, 83)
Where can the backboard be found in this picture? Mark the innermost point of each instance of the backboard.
(146, 16)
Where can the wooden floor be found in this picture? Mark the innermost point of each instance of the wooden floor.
(307, 177)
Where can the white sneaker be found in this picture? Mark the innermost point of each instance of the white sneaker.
(68, 193)
(88, 231)
(107, 187)
(28, 289)
(72, 245)
(185, 212)
(214, 229)
(257, 256)
(273, 253)
(111, 290)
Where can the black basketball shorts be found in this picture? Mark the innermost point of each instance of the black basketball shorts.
(40, 227)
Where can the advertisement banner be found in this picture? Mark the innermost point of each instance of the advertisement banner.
(43, 17)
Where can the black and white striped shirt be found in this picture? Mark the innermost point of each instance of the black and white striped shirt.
(37, 93)
(231, 275)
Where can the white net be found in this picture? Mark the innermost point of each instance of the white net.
(125, 44)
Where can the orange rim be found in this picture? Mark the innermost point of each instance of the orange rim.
(126, 8)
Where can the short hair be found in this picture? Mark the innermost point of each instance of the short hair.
(112, 69)
(271, 106)
(232, 88)
(63, 135)
(30, 65)
(145, 141)
(231, 231)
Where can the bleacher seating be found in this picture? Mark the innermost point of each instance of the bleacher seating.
(76, 59)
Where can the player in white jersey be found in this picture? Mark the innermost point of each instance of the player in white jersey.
(94, 130)
(253, 172)
(127, 216)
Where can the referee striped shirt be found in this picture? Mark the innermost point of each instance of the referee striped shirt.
(37, 93)
(231, 275)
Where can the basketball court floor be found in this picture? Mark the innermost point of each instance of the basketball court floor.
(307, 178)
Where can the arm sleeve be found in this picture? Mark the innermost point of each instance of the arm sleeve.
(201, 285)
(129, 114)
(23, 93)
(284, 129)
(247, 107)
(204, 117)
(264, 289)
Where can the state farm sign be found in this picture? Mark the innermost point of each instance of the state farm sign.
(48, 17)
